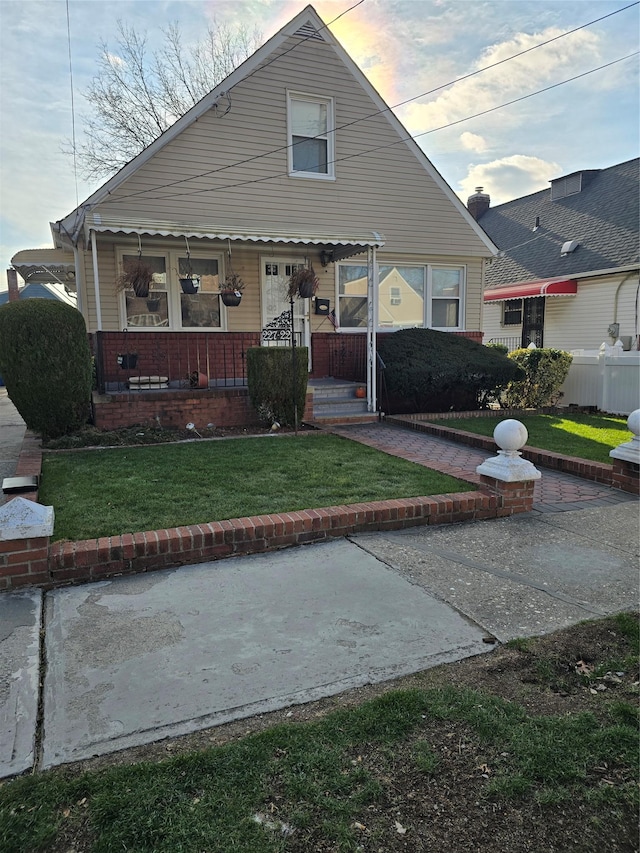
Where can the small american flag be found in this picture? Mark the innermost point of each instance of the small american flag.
(333, 319)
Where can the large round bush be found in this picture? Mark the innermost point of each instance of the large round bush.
(430, 371)
(45, 362)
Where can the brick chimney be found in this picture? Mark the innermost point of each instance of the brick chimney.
(12, 282)
(478, 203)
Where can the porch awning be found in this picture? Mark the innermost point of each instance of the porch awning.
(337, 245)
(45, 266)
(529, 289)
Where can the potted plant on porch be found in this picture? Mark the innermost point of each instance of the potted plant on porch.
(231, 290)
(303, 283)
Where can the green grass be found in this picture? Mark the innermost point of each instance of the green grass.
(585, 436)
(319, 778)
(109, 492)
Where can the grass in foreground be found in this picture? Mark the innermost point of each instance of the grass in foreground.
(585, 436)
(108, 492)
(458, 767)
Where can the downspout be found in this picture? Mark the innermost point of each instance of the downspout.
(79, 282)
(372, 325)
(96, 281)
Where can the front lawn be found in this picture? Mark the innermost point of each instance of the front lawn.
(586, 436)
(112, 491)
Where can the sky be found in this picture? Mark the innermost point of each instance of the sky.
(407, 49)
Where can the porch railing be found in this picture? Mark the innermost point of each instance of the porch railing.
(511, 341)
(176, 357)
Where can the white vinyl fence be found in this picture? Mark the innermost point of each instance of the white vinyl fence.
(608, 380)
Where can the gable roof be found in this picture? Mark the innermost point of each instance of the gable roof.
(602, 218)
(306, 25)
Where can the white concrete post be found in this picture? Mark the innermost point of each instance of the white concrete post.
(509, 466)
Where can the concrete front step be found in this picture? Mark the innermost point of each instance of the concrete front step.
(367, 418)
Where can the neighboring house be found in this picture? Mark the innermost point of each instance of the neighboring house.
(566, 275)
(47, 274)
(293, 160)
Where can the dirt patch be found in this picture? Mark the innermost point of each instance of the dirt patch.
(588, 668)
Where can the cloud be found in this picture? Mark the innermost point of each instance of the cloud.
(518, 77)
(473, 142)
(509, 177)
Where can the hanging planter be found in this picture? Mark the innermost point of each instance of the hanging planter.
(303, 283)
(153, 304)
(231, 290)
(136, 275)
(190, 283)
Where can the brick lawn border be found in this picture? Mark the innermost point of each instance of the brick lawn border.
(36, 562)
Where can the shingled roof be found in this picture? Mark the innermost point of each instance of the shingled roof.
(602, 218)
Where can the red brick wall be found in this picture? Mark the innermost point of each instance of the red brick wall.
(223, 407)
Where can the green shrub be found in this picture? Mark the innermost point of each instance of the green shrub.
(45, 362)
(271, 385)
(503, 348)
(545, 370)
(430, 371)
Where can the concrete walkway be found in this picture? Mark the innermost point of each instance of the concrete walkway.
(132, 660)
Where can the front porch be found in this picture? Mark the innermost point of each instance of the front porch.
(171, 379)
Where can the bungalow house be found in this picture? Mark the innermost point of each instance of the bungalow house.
(566, 275)
(294, 160)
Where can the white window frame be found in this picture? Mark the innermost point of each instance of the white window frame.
(329, 175)
(171, 288)
(428, 296)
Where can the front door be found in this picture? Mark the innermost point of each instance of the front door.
(276, 306)
(533, 321)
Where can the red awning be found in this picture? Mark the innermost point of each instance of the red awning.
(529, 289)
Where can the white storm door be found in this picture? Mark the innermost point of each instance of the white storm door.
(276, 307)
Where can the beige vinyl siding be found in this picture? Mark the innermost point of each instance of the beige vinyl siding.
(385, 190)
(581, 322)
(492, 323)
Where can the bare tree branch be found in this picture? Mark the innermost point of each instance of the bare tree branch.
(134, 97)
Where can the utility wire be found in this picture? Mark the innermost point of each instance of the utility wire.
(73, 111)
(402, 138)
(378, 112)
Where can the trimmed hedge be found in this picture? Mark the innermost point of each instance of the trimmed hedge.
(545, 370)
(46, 364)
(431, 371)
(271, 386)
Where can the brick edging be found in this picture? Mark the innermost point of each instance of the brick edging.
(598, 472)
(97, 559)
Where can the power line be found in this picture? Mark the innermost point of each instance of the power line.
(385, 109)
(402, 138)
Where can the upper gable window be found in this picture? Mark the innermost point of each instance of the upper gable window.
(310, 138)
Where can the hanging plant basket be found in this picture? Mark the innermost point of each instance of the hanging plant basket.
(153, 303)
(303, 283)
(190, 284)
(137, 275)
(231, 298)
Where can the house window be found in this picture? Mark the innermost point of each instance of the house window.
(310, 142)
(512, 312)
(200, 309)
(408, 296)
(352, 295)
(446, 294)
(151, 311)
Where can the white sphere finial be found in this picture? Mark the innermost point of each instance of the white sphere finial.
(510, 435)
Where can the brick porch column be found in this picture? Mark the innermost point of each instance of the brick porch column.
(25, 531)
(626, 459)
(508, 476)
